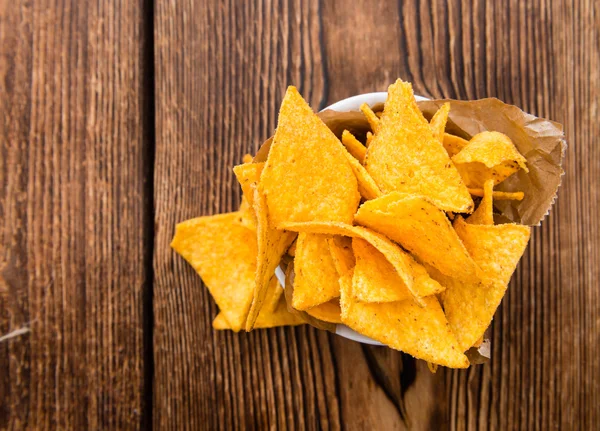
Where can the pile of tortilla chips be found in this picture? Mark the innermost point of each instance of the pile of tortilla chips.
(391, 233)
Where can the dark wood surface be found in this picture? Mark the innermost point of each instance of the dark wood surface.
(119, 119)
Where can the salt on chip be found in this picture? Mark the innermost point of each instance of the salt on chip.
(489, 155)
(354, 146)
(484, 214)
(367, 188)
(438, 122)
(405, 156)
(453, 144)
(375, 279)
(421, 228)
(307, 176)
(280, 316)
(422, 332)
(470, 307)
(412, 273)
(327, 312)
(316, 279)
(247, 175)
(223, 252)
(272, 244)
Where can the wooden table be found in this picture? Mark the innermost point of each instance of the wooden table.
(119, 119)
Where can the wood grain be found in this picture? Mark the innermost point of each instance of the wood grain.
(73, 205)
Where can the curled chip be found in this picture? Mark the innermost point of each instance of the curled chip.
(279, 316)
(421, 228)
(414, 276)
(327, 312)
(489, 155)
(405, 156)
(354, 146)
(375, 279)
(438, 122)
(422, 332)
(247, 175)
(307, 176)
(272, 244)
(453, 144)
(371, 117)
(316, 279)
(223, 252)
(484, 214)
(497, 249)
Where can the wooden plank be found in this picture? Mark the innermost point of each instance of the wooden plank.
(221, 72)
(73, 199)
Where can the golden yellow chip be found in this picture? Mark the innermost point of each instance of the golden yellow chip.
(220, 322)
(292, 250)
(272, 244)
(484, 214)
(375, 279)
(421, 228)
(412, 274)
(307, 176)
(247, 216)
(341, 253)
(500, 196)
(371, 117)
(422, 332)
(273, 296)
(453, 144)
(489, 155)
(248, 174)
(280, 316)
(316, 279)
(369, 139)
(438, 122)
(354, 146)
(223, 253)
(247, 158)
(405, 156)
(327, 312)
(366, 186)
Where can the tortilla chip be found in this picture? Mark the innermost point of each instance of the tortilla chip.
(341, 253)
(292, 250)
(422, 332)
(280, 316)
(406, 157)
(412, 274)
(500, 196)
(247, 159)
(369, 139)
(354, 146)
(272, 244)
(375, 279)
(484, 214)
(273, 296)
(489, 155)
(327, 312)
(421, 228)
(247, 216)
(316, 279)
(307, 176)
(438, 122)
(470, 307)
(371, 117)
(453, 144)
(220, 322)
(248, 174)
(366, 186)
(223, 253)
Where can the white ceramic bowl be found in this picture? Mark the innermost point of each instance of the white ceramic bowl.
(351, 104)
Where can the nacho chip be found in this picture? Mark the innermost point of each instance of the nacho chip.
(316, 277)
(247, 216)
(272, 244)
(340, 248)
(273, 296)
(484, 214)
(354, 146)
(247, 159)
(220, 322)
(453, 144)
(470, 307)
(327, 312)
(412, 274)
(248, 174)
(422, 332)
(500, 196)
(369, 139)
(371, 117)
(421, 228)
(405, 156)
(223, 253)
(307, 176)
(375, 279)
(280, 316)
(366, 186)
(438, 122)
(489, 155)
(292, 250)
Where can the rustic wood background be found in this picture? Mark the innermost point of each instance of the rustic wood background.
(119, 119)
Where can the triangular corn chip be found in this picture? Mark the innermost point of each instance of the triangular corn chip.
(247, 175)
(422, 332)
(421, 228)
(223, 253)
(372, 118)
(484, 214)
(375, 279)
(412, 274)
(280, 316)
(307, 176)
(316, 279)
(499, 196)
(405, 156)
(327, 312)
(366, 186)
(453, 144)
(438, 122)
(247, 216)
(489, 155)
(342, 254)
(272, 244)
(354, 146)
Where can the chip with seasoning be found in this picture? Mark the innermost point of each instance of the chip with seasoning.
(438, 122)
(327, 312)
(280, 316)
